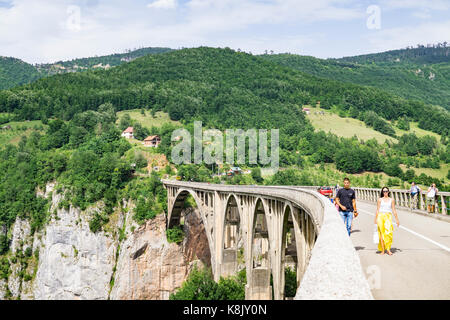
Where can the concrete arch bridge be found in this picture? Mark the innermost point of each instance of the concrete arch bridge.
(268, 228)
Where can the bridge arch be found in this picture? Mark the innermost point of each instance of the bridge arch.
(177, 207)
(232, 240)
(260, 269)
(291, 248)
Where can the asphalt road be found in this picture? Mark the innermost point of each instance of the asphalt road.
(420, 265)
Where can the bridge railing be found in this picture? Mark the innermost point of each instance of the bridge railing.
(402, 197)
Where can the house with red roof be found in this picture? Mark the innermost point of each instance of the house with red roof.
(128, 133)
(152, 141)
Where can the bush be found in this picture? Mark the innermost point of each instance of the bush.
(4, 244)
(175, 234)
(256, 175)
(27, 277)
(4, 268)
(201, 286)
(198, 286)
(140, 160)
(290, 282)
(144, 210)
(28, 252)
(97, 222)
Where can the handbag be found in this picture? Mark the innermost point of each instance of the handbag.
(376, 239)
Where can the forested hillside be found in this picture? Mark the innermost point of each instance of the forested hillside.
(220, 86)
(15, 72)
(107, 61)
(421, 73)
(421, 54)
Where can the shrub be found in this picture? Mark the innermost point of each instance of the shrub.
(4, 244)
(290, 282)
(144, 210)
(175, 234)
(201, 286)
(4, 268)
(97, 222)
(27, 277)
(28, 252)
(198, 286)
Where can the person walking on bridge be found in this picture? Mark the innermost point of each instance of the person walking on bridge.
(383, 220)
(346, 201)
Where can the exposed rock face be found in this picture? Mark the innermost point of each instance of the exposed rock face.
(74, 262)
(70, 262)
(196, 243)
(149, 267)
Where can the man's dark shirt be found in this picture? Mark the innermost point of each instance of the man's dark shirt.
(345, 198)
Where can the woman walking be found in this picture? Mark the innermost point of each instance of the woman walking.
(383, 219)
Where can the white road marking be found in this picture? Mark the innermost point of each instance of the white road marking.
(414, 233)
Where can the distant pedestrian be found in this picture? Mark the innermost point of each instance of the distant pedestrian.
(415, 191)
(431, 197)
(336, 189)
(383, 220)
(346, 201)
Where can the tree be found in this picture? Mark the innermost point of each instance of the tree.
(125, 122)
(256, 175)
(140, 132)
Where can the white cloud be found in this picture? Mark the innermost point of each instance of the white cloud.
(416, 4)
(395, 38)
(163, 4)
(37, 31)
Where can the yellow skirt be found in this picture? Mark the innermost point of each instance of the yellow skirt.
(385, 230)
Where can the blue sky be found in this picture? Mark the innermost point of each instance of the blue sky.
(39, 31)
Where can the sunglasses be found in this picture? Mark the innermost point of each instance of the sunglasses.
(385, 191)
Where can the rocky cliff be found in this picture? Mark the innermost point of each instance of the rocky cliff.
(65, 260)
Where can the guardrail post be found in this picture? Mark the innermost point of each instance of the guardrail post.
(444, 205)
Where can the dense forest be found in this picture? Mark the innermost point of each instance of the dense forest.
(14, 72)
(219, 86)
(421, 54)
(112, 60)
(420, 73)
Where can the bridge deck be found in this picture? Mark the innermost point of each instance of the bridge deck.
(420, 265)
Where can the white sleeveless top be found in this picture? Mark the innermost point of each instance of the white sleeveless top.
(432, 193)
(386, 206)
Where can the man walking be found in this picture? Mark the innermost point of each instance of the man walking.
(346, 201)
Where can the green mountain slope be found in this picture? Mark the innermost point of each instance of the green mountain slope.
(422, 74)
(102, 62)
(420, 55)
(219, 86)
(15, 72)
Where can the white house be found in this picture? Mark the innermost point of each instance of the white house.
(128, 133)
